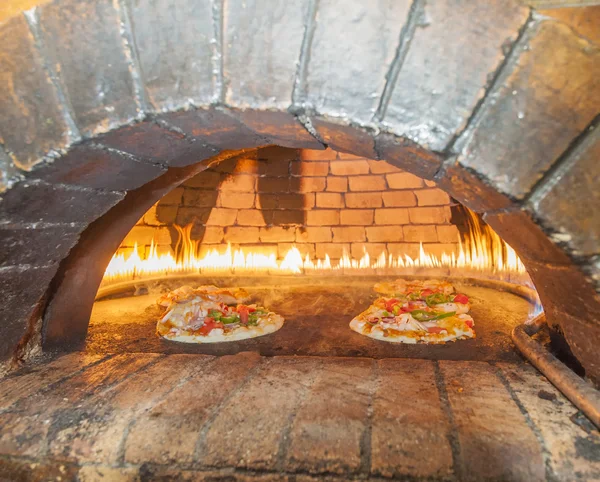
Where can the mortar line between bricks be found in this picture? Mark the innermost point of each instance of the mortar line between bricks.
(299, 89)
(365, 439)
(549, 472)
(64, 104)
(201, 441)
(461, 137)
(564, 162)
(452, 435)
(135, 415)
(217, 52)
(50, 387)
(415, 15)
(132, 57)
(284, 443)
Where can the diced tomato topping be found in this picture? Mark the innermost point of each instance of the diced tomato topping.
(435, 329)
(469, 323)
(463, 299)
(414, 305)
(389, 304)
(209, 325)
(243, 311)
(426, 292)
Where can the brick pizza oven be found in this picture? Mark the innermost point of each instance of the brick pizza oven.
(330, 126)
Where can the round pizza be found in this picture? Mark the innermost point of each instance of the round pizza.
(213, 315)
(416, 312)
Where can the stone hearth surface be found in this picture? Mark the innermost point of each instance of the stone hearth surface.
(137, 416)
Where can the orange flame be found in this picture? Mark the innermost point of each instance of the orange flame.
(482, 252)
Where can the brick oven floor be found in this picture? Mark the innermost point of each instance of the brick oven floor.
(147, 416)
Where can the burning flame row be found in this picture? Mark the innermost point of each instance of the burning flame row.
(482, 251)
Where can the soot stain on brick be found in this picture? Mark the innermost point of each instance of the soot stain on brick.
(588, 448)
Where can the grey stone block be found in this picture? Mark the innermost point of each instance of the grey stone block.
(31, 123)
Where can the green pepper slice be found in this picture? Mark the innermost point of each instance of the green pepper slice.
(445, 315)
(226, 320)
(436, 299)
(421, 315)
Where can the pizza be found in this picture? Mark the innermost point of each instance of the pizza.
(213, 315)
(427, 311)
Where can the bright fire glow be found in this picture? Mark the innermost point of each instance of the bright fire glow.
(481, 252)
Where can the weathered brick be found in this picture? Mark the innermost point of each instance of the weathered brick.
(169, 432)
(328, 428)
(523, 131)
(448, 234)
(250, 217)
(349, 168)
(363, 199)
(569, 206)
(403, 249)
(337, 134)
(97, 168)
(403, 180)
(312, 184)
(470, 190)
(329, 200)
(391, 216)
(209, 179)
(28, 202)
(310, 168)
(367, 183)
(430, 215)
(337, 184)
(271, 165)
(238, 234)
(420, 234)
(432, 197)
(213, 235)
(215, 127)
(349, 234)
(31, 123)
(432, 100)
(239, 183)
(232, 439)
(201, 198)
(553, 416)
(381, 167)
(267, 201)
(407, 155)
(296, 201)
(42, 376)
(352, 49)
(362, 217)
(288, 217)
(269, 81)
(277, 234)
(392, 199)
(384, 234)
(241, 200)
(83, 40)
(173, 197)
(276, 184)
(374, 250)
(175, 60)
(406, 440)
(186, 215)
(94, 430)
(150, 142)
(315, 155)
(334, 250)
(222, 217)
(158, 215)
(278, 127)
(313, 234)
(478, 400)
(322, 217)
